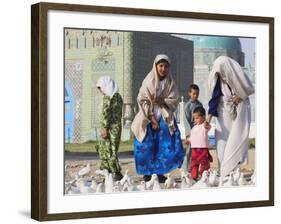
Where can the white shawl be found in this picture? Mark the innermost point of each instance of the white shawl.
(231, 72)
(231, 131)
(147, 93)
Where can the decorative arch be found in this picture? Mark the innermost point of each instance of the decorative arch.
(68, 113)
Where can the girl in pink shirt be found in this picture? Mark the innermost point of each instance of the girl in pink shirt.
(200, 156)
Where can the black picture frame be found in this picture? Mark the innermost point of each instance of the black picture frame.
(39, 108)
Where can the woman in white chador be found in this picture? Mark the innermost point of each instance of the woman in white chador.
(230, 89)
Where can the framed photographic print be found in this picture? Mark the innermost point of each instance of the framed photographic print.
(139, 111)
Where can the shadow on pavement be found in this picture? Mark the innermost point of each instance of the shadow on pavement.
(93, 155)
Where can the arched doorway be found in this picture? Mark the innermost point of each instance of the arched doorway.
(68, 114)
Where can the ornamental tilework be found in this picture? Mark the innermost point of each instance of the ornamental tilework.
(106, 64)
(73, 74)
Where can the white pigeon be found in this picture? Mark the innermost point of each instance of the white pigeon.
(85, 171)
(203, 182)
(100, 172)
(242, 181)
(156, 185)
(67, 189)
(73, 190)
(253, 178)
(170, 182)
(84, 189)
(230, 181)
(125, 178)
(142, 186)
(182, 172)
(79, 181)
(184, 183)
(236, 175)
(205, 175)
(133, 187)
(189, 179)
(109, 183)
(71, 182)
(94, 185)
(129, 187)
(100, 188)
(149, 184)
(213, 178)
(108, 180)
(221, 181)
(103, 173)
(66, 171)
(125, 187)
(117, 187)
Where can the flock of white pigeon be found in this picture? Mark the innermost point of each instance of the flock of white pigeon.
(102, 182)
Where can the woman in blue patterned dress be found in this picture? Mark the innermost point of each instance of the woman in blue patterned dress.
(157, 144)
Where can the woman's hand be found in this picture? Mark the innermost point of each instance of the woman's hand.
(159, 101)
(186, 141)
(236, 100)
(104, 133)
(154, 123)
(209, 118)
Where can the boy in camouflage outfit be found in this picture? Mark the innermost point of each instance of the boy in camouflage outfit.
(110, 126)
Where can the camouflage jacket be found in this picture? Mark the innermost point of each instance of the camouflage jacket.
(111, 111)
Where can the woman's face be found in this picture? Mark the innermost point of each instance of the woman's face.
(162, 69)
(101, 91)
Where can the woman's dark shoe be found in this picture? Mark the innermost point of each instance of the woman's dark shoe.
(162, 178)
(146, 178)
(117, 176)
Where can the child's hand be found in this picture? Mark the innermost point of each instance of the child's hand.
(104, 133)
(207, 125)
(186, 141)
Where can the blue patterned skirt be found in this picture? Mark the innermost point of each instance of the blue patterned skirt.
(159, 152)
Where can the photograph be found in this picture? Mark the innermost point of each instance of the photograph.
(157, 111)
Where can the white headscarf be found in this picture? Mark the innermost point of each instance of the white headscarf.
(108, 86)
(160, 57)
(231, 72)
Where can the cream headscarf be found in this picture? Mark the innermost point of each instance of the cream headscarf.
(230, 72)
(107, 85)
(148, 93)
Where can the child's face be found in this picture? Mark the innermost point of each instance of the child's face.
(162, 69)
(198, 118)
(193, 95)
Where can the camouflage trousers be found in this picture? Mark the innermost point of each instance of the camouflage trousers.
(108, 149)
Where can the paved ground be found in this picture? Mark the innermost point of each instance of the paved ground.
(76, 161)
